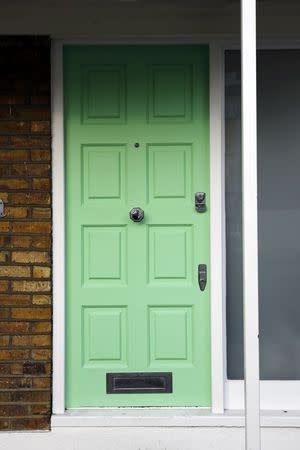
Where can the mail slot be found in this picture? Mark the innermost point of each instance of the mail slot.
(139, 383)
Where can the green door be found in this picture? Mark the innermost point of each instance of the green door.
(136, 135)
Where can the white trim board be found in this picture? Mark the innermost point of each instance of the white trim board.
(163, 417)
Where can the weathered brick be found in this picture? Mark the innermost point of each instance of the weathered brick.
(39, 410)
(31, 286)
(31, 313)
(5, 369)
(41, 184)
(41, 355)
(4, 257)
(40, 340)
(4, 140)
(42, 126)
(4, 341)
(9, 355)
(25, 234)
(41, 242)
(16, 369)
(41, 423)
(4, 226)
(20, 241)
(40, 272)
(15, 271)
(5, 424)
(34, 368)
(14, 299)
(31, 227)
(4, 313)
(5, 396)
(40, 100)
(41, 299)
(4, 195)
(29, 141)
(11, 183)
(41, 213)
(31, 170)
(30, 257)
(25, 112)
(30, 198)
(40, 327)
(41, 383)
(40, 155)
(14, 327)
(12, 99)
(10, 126)
(4, 241)
(16, 212)
(13, 410)
(5, 170)
(4, 285)
(14, 155)
(30, 396)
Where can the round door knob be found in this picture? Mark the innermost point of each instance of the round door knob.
(136, 214)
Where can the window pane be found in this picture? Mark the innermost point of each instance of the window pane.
(278, 213)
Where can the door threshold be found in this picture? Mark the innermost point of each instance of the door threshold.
(168, 417)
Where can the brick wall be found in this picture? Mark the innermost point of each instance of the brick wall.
(25, 234)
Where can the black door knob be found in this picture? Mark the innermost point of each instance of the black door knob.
(136, 214)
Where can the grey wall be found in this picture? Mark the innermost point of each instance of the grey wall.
(131, 18)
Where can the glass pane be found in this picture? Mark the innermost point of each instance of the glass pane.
(278, 213)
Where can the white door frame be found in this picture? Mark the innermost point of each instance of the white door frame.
(216, 231)
(226, 394)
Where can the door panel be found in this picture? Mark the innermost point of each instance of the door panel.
(136, 135)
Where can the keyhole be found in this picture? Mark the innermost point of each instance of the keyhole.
(136, 145)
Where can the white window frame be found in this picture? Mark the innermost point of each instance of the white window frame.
(226, 394)
(274, 394)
